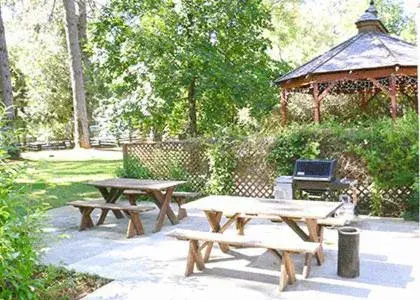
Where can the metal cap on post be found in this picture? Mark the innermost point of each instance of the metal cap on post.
(348, 252)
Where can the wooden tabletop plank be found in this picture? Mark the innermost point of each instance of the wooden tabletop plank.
(133, 184)
(265, 206)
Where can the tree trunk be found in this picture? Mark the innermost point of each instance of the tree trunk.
(5, 74)
(192, 111)
(81, 137)
(82, 32)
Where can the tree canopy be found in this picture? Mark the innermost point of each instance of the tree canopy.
(188, 60)
(173, 67)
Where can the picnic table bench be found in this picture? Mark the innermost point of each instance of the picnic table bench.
(135, 227)
(179, 197)
(281, 249)
(160, 191)
(241, 210)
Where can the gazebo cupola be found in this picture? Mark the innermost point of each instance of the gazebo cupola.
(369, 21)
(368, 63)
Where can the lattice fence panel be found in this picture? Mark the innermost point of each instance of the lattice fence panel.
(392, 200)
(253, 176)
(161, 159)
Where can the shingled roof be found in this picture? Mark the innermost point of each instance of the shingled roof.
(371, 48)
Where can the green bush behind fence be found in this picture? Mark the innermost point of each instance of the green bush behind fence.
(381, 155)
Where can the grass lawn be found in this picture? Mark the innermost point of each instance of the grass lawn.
(58, 182)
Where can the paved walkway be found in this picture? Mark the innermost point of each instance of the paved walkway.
(152, 266)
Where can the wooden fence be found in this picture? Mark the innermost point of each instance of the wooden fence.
(254, 177)
(68, 144)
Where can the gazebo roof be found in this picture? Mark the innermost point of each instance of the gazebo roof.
(366, 50)
(369, 63)
(371, 48)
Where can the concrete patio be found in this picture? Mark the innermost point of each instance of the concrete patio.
(152, 266)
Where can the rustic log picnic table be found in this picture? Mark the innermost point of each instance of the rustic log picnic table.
(242, 209)
(159, 190)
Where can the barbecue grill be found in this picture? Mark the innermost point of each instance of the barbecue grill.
(317, 178)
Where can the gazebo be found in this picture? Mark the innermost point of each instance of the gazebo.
(366, 64)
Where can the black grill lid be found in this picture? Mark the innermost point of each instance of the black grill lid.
(314, 170)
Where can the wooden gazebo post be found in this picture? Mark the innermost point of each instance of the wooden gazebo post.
(391, 92)
(316, 103)
(393, 96)
(318, 99)
(283, 97)
(364, 101)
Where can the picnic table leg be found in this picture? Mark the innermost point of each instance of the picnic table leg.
(295, 227)
(110, 197)
(135, 227)
(132, 199)
(182, 212)
(287, 270)
(86, 221)
(163, 201)
(307, 265)
(240, 226)
(315, 235)
(102, 217)
(214, 219)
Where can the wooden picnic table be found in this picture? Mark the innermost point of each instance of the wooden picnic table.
(159, 190)
(242, 209)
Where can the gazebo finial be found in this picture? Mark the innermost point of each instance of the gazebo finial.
(369, 21)
(372, 9)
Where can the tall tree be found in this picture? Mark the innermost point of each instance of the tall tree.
(203, 59)
(83, 38)
(5, 74)
(81, 128)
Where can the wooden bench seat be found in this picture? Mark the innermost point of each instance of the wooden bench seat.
(281, 249)
(135, 226)
(179, 197)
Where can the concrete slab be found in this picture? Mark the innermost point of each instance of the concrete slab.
(152, 266)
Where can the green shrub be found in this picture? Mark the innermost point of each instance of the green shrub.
(19, 232)
(391, 151)
(222, 163)
(293, 144)
(133, 168)
(388, 149)
(412, 205)
(178, 172)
